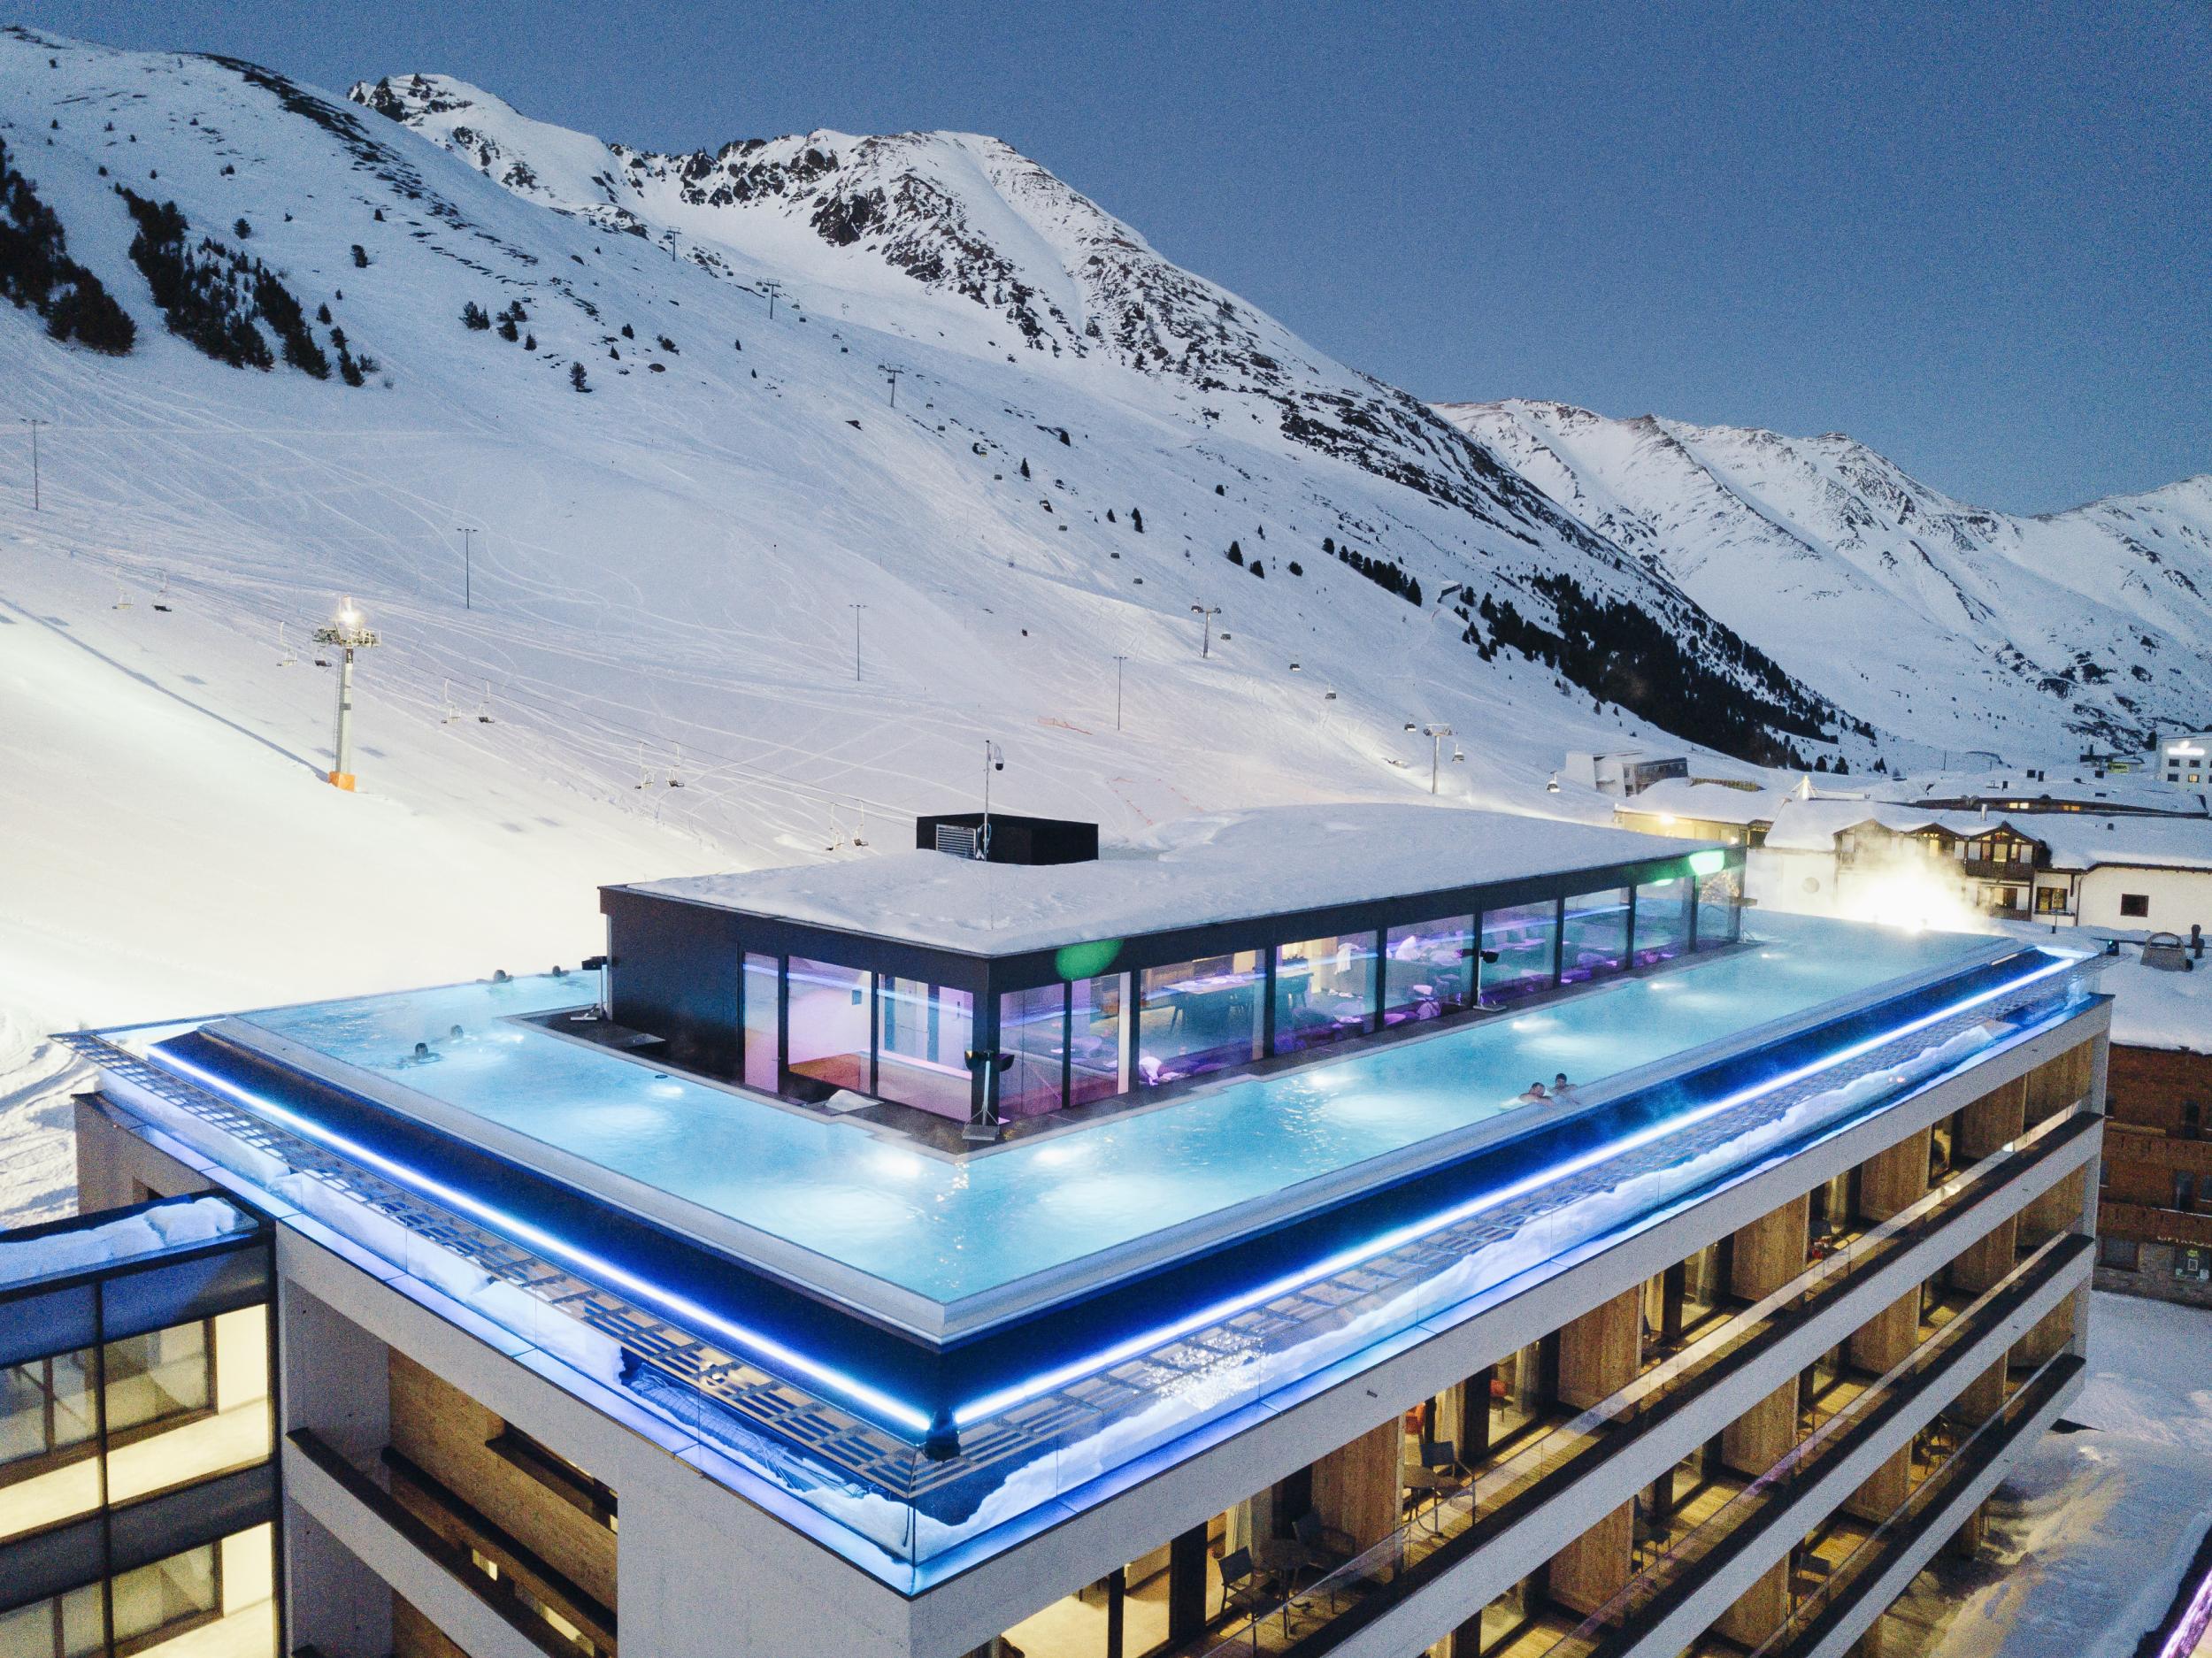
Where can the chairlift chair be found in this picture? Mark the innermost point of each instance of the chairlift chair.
(445, 696)
(285, 658)
(644, 772)
(673, 780)
(484, 708)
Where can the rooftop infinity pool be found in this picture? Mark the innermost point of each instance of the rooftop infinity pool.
(886, 1225)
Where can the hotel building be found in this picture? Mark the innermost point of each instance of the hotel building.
(1158, 1253)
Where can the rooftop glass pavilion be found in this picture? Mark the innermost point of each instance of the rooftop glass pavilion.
(1241, 942)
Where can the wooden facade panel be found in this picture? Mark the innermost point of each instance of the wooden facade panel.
(2058, 1082)
(415, 1636)
(1886, 1338)
(1983, 1261)
(1772, 1251)
(1596, 1566)
(447, 1435)
(1884, 1489)
(1356, 1487)
(1600, 1351)
(1893, 1180)
(1994, 1120)
(2158, 1226)
(1754, 1441)
(2153, 1088)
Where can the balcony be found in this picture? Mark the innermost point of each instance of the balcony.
(1613, 1440)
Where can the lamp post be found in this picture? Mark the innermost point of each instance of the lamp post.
(1118, 662)
(856, 610)
(349, 630)
(993, 761)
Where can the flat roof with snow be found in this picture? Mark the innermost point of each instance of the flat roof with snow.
(1223, 867)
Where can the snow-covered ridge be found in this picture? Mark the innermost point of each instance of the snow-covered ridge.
(1815, 547)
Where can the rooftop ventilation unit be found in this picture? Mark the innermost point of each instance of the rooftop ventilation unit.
(1011, 839)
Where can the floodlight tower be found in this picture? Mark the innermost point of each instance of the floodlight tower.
(349, 630)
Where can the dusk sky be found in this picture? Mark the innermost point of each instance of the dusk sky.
(1976, 237)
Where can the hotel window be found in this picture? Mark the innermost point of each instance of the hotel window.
(1663, 919)
(1033, 1027)
(2120, 1255)
(1524, 937)
(2136, 905)
(923, 1035)
(1098, 1037)
(1199, 1016)
(828, 1030)
(1595, 935)
(761, 1052)
(1324, 991)
(2050, 901)
(1428, 969)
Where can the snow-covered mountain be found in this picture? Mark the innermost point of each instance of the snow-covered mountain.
(1889, 596)
(794, 472)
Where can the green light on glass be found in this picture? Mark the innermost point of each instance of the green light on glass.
(1707, 863)
(1085, 961)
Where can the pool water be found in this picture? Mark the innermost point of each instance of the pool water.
(946, 1230)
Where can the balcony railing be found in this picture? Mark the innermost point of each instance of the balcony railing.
(1390, 1570)
(1669, 1579)
(1980, 1448)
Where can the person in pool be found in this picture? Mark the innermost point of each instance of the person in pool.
(1561, 1088)
(1534, 1095)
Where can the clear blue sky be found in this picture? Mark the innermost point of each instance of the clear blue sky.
(1977, 237)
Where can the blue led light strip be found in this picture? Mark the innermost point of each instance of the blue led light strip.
(904, 1415)
(676, 1306)
(991, 1404)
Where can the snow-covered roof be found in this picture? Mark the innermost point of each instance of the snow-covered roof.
(77, 1247)
(2084, 842)
(1225, 867)
(1812, 825)
(1706, 800)
(2152, 1008)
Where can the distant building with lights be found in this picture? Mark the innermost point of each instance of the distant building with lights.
(2185, 761)
(1160, 1254)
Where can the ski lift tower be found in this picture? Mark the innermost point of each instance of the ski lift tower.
(349, 630)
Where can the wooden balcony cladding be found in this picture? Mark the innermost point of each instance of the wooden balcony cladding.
(2127, 1145)
(2154, 1225)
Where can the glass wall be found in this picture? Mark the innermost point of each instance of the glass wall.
(1428, 969)
(1200, 1016)
(1098, 1038)
(1719, 914)
(1596, 935)
(1523, 936)
(216, 1598)
(1032, 1028)
(923, 1032)
(1324, 991)
(763, 1057)
(1663, 919)
(829, 1028)
(181, 1404)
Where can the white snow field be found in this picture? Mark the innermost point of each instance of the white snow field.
(2093, 1531)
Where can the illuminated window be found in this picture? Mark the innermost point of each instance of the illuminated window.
(1324, 991)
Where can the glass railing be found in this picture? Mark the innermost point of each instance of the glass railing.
(1805, 1464)
(744, 1414)
(1384, 1565)
(1987, 1437)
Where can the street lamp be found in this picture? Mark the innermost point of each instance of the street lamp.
(350, 631)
